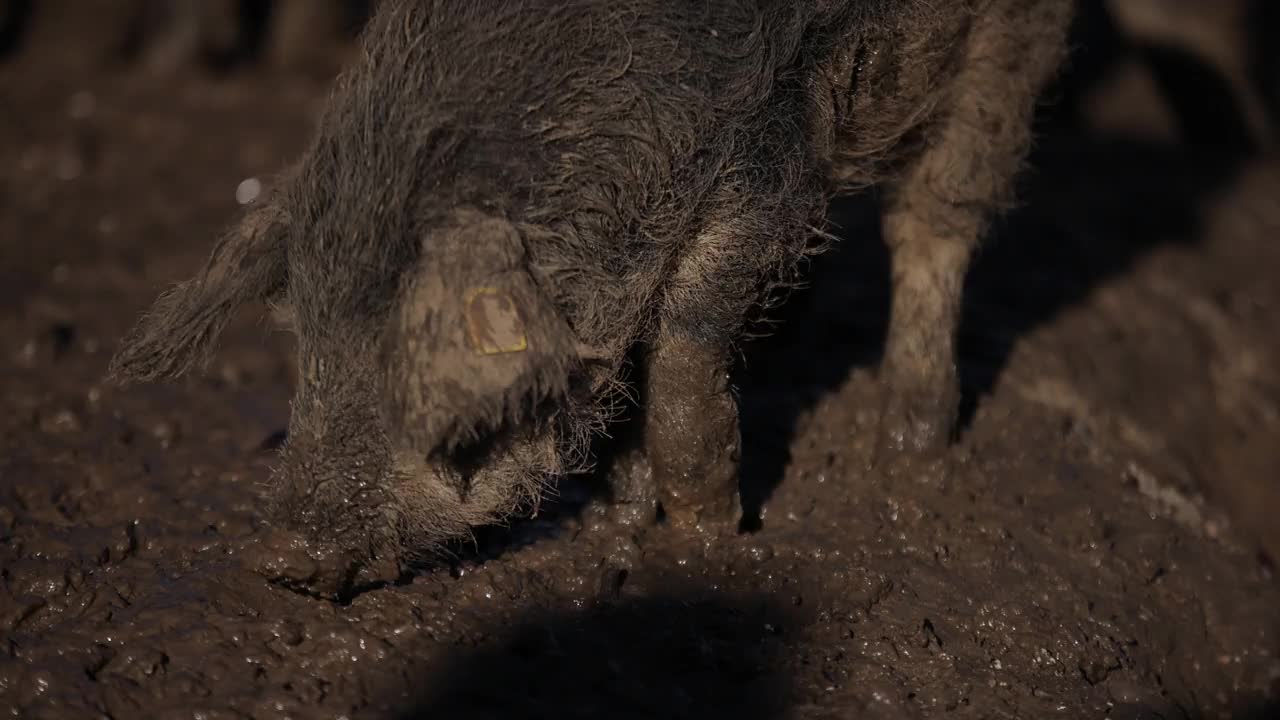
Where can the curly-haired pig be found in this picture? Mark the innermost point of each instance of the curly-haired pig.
(503, 199)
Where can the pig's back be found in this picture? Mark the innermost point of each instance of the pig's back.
(609, 129)
(644, 85)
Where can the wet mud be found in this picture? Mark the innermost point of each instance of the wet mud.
(1100, 541)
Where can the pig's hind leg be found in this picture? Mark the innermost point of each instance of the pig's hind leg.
(941, 205)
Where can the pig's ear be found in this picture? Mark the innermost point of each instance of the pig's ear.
(248, 263)
(474, 341)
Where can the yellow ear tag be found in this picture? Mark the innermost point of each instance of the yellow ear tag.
(494, 322)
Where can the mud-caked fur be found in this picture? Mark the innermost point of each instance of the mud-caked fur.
(623, 174)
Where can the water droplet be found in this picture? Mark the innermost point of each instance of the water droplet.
(248, 190)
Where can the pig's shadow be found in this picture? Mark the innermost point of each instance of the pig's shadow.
(1259, 711)
(1090, 211)
(670, 657)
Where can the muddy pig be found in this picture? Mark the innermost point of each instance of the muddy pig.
(503, 199)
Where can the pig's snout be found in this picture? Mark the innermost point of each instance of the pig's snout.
(302, 563)
(334, 499)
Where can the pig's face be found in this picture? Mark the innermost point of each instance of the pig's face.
(421, 375)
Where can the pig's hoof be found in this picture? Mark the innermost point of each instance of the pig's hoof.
(604, 515)
(632, 514)
(321, 569)
(717, 516)
(914, 424)
(631, 498)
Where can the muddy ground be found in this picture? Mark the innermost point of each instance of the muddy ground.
(1099, 543)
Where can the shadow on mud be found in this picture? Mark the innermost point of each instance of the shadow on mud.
(670, 657)
(1088, 214)
(1172, 711)
(1267, 711)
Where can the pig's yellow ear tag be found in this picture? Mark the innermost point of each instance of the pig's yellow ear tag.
(494, 323)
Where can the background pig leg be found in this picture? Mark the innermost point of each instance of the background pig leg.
(942, 203)
(297, 26)
(178, 32)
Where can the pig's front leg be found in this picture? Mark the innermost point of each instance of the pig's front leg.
(941, 205)
(633, 496)
(691, 435)
(682, 447)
